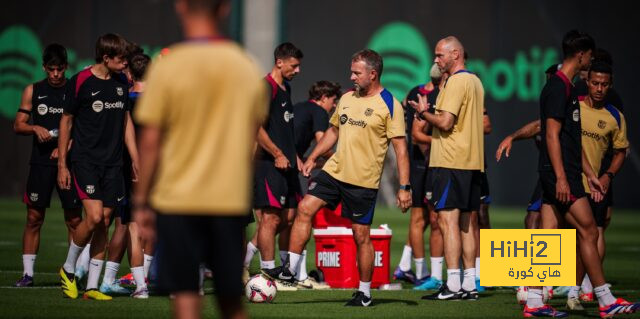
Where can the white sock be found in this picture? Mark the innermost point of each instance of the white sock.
(436, 267)
(95, 268)
(586, 285)
(251, 251)
(534, 298)
(574, 292)
(294, 260)
(420, 271)
(83, 260)
(604, 295)
(301, 271)
(469, 281)
(147, 264)
(453, 279)
(72, 256)
(110, 272)
(366, 288)
(267, 264)
(138, 276)
(27, 264)
(405, 260)
(283, 256)
(477, 267)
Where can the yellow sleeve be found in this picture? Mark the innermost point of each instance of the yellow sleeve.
(454, 95)
(395, 123)
(620, 135)
(152, 107)
(261, 105)
(335, 117)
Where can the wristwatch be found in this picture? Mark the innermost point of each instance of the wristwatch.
(611, 175)
(405, 187)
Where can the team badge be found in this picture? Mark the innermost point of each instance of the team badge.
(602, 124)
(312, 185)
(368, 112)
(90, 189)
(282, 200)
(42, 109)
(119, 90)
(576, 116)
(33, 197)
(343, 118)
(288, 116)
(97, 106)
(428, 195)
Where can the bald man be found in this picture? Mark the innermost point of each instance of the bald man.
(456, 163)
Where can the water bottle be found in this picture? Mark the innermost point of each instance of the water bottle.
(54, 133)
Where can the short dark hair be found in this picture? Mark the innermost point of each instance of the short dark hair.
(552, 69)
(54, 54)
(210, 6)
(138, 65)
(371, 58)
(111, 45)
(600, 67)
(324, 88)
(602, 55)
(287, 50)
(575, 42)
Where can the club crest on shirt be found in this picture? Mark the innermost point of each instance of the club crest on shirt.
(282, 200)
(90, 189)
(33, 197)
(602, 124)
(343, 118)
(119, 91)
(428, 195)
(97, 106)
(576, 115)
(312, 185)
(42, 109)
(368, 112)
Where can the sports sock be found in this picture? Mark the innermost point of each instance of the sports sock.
(301, 271)
(27, 264)
(534, 298)
(586, 285)
(83, 260)
(405, 260)
(453, 279)
(477, 267)
(604, 295)
(267, 264)
(420, 271)
(469, 281)
(294, 259)
(147, 264)
(72, 256)
(110, 272)
(574, 292)
(366, 288)
(138, 276)
(251, 251)
(95, 268)
(283, 257)
(436, 267)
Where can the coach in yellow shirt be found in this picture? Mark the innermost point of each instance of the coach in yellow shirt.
(365, 120)
(456, 163)
(200, 113)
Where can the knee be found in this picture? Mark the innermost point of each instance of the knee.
(94, 220)
(362, 239)
(270, 220)
(34, 223)
(305, 211)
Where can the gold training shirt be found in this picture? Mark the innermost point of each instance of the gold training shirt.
(601, 127)
(365, 125)
(463, 146)
(207, 98)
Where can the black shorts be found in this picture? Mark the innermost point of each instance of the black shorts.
(548, 182)
(186, 241)
(124, 209)
(249, 219)
(455, 188)
(274, 187)
(599, 211)
(40, 184)
(358, 203)
(485, 193)
(418, 180)
(535, 203)
(608, 197)
(104, 183)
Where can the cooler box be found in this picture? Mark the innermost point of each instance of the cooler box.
(336, 256)
(326, 217)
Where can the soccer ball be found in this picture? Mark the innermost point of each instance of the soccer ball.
(523, 291)
(259, 289)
